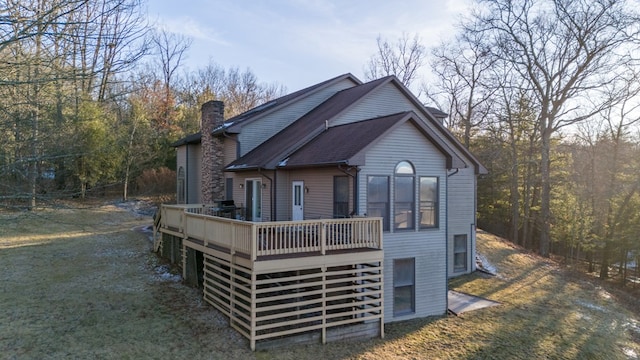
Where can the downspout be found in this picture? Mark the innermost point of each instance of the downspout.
(356, 192)
(186, 175)
(474, 227)
(274, 189)
(446, 232)
(271, 195)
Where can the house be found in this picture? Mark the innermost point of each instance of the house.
(283, 210)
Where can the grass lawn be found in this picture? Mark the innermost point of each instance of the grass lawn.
(79, 283)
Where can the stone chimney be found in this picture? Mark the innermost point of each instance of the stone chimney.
(212, 187)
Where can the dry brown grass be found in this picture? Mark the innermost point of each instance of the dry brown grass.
(79, 283)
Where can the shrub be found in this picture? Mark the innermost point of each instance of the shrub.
(156, 181)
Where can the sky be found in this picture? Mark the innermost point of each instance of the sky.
(297, 43)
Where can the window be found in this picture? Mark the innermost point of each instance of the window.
(428, 202)
(229, 189)
(460, 253)
(404, 286)
(378, 198)
(340, 196)
(180, 196)
(404, 196)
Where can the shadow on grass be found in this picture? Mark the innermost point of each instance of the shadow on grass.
(543, 316)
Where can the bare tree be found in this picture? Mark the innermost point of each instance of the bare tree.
(463, 70)
(618, 120)
(564, 50)
(56, 55)
(240, 90)
(171, 48)
(403, 59)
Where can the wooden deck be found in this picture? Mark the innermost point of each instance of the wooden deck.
(275, 279)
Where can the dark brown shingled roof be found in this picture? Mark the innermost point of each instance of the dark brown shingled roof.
(345, 144)
(269, 154)
(341, 143)
(189, 139)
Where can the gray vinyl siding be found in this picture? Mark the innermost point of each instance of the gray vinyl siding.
(230, 150)
(318, 201)
(462, 214)
(195, 176)
(428, 247)
(181, 162)
(385, 100)
(283, 193)
(239, 193)
(189, 157)
(388, 99)
(256, 132)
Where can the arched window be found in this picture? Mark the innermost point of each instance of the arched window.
(181, 196)
(405, 168)
(404, 196)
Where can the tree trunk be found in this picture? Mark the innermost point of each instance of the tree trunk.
(33, 169)
(35, 113)
(515, 195)
(606, 253)
(545, 200)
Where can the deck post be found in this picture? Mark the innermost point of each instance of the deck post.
(324, 304)
(183, 220)
(253, 311)
(323, 238)
(381, 291)
(380, 232)
(254, 242)
(232, 241)
(184, 261)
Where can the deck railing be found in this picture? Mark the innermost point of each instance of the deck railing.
(272, 238)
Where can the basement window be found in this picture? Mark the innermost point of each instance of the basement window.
(404, 285)
(460, 253)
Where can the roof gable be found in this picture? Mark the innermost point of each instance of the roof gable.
(439, 127)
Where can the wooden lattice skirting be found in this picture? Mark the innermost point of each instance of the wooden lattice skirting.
(311, 300)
